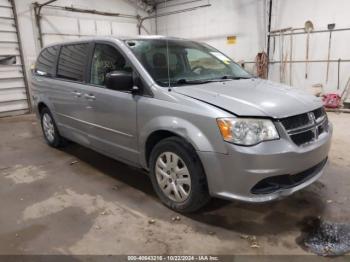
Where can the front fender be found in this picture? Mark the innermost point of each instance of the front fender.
(178, 126)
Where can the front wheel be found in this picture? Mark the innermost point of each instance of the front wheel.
(177, 175)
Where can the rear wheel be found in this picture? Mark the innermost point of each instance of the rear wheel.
(177, 175)
(50, 130)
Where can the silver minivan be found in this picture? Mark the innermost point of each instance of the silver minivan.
(185, 112)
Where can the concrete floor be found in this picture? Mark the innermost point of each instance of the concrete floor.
(100, 206)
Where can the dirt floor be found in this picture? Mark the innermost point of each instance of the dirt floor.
(76, 201)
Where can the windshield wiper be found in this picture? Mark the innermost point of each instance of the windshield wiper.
(204, 81)
(235, 77)
(184, 81)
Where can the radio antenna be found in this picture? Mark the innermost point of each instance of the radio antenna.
(167, 47)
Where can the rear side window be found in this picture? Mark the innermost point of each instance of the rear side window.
(45, 65)
(72, 61)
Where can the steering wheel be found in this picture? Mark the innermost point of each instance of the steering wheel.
(196, 68)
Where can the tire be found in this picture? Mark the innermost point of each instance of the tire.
(49, 129)
(170, 176)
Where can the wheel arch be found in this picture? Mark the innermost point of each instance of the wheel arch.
(164, 127)
(41, 106)
(154, 138)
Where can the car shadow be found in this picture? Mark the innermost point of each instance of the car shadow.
(264, 218)
(131, 176)
(244, 218)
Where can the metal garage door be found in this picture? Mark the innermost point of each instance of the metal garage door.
(13, 91)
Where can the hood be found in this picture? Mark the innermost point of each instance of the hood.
(253, 97)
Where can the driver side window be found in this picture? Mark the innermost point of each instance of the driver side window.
(106, 59)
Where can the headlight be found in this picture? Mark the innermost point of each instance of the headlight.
(247, 131)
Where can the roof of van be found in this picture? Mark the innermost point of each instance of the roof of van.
(123, 38)
(140, 37)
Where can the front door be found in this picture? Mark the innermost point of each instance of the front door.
(112, 112)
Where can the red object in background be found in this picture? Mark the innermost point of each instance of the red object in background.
(331, 100)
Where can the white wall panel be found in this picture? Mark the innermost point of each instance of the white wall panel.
(294, 13)
(6, 12)
(8, 36)
(12, 83)
(59, 24)
(127, 29)
(247, 19)
(13, 95)
(242, 18)
(10, 74)
(63, 22)
(52, 39)
(87, 27)
(5, 3)
(7, 26)
(103, 27)
(9, 108)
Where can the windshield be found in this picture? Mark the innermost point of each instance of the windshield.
(181, 62)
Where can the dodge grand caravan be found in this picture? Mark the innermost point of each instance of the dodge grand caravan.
(195, 120)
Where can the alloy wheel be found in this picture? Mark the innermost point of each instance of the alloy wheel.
(173, 176)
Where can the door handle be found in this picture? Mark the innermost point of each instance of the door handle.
(76, 93)
(89, 96)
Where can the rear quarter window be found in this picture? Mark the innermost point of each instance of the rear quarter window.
(46, 62)
(72, 61)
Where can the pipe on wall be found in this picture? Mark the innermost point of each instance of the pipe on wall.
(269, 35)
(37, 14)
(167, 14)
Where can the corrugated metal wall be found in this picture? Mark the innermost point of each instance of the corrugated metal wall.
(13, 95)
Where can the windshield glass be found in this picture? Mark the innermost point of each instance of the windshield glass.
(181, 62)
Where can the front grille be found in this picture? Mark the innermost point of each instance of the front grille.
(295, 121)
(272, 184)
(319, 112)
(307, 127)
(303, 138)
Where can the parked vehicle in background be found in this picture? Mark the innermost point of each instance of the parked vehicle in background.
(199, 123)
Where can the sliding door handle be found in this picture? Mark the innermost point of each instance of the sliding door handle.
(76, 93)
(90, 97)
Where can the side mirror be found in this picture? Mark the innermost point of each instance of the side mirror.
(119, 80)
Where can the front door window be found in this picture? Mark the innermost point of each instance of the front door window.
(106, 59)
